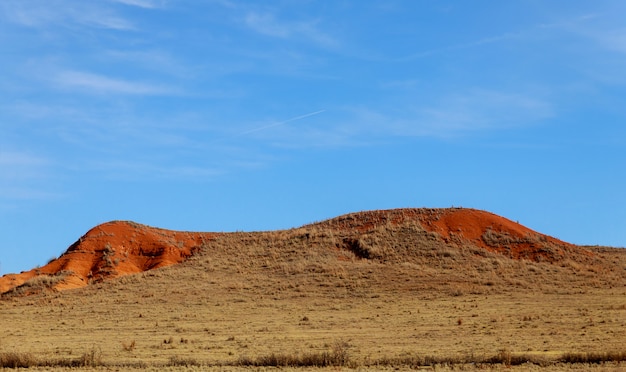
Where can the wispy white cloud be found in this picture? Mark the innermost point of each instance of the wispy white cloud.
(571, 23)
(471, 44)
(605, 34)
(109, 21)
(39, 14)
(30, 111)
(477, 110)
(24, 193)
(23, 175)
(614, 40)
(152, 60)
(268, 24)
(19, 159)
(405, 84)
(600, 52)
(132, 169)
(94, 83)
(565, 24)
(451, 116)
(147, 4)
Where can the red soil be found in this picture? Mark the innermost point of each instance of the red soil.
(467, 227)
(119, 248)
(495, 233)
(111, 250)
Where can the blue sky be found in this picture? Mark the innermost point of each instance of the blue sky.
(244, 115)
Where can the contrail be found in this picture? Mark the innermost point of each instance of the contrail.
(281, 123)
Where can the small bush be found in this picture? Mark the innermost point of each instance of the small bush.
(129, 346)
(17, 360)
(338, 356)
(176, 361)
(38, 283)
(595, 358)
(91, 358)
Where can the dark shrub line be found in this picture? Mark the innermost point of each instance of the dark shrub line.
(338, 357)
(324, 359)
(593, 358)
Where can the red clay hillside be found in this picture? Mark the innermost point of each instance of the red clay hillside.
(120, 248)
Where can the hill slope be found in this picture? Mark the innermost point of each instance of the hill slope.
(420, 236)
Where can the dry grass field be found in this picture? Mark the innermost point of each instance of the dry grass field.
(389, 295)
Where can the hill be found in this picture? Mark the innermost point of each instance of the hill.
(389, 289)
(107, 251)
(120, 248)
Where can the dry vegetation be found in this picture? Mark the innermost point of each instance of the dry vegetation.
(381, 296)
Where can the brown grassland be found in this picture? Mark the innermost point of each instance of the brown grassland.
(344, 294)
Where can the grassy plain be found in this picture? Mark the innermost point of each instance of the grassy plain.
(301, 293)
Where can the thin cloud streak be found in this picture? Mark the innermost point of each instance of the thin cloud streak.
(471, 44)
(138, 169)
(564, 25)
(25, 193)
(103, 84)
(281, 123)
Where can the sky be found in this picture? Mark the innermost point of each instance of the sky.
(226, 115)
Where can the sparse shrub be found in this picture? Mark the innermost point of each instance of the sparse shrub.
(499, 239)
(364, 247)
(176, 361)
(596, 358)
(38, 283)
(338, 356)
(91, 358)
(17, 360)
(108, 249)
(357, 247)
(129, 346)
(504, 356)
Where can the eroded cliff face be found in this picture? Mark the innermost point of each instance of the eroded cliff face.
(110, 250)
